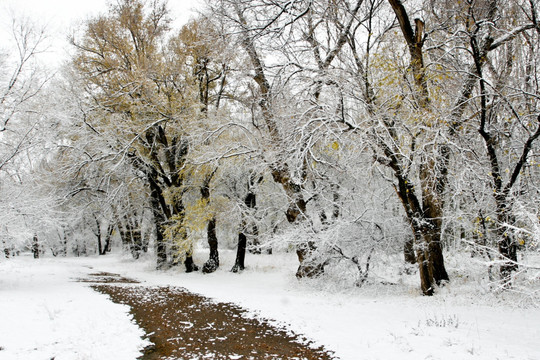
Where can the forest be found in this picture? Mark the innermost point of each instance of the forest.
(357, 134)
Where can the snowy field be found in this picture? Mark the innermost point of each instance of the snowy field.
(46, 314)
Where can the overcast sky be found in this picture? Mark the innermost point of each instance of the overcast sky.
(59, 16)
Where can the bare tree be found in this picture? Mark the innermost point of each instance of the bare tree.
(21, 81)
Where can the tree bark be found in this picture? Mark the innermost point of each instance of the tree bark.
(250, 201)
(7, 253)
(240, 253)
(159, 221)
(108, 235)
(190, 264)
(426, 219)
(425, 234)
(433, 188)
(35, 246)
(213, 261)
(98, 235)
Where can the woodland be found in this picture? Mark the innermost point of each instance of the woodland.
(349, 132)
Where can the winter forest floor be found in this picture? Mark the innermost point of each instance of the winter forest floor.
(47, 312)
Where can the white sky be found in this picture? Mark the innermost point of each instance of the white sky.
(59, 16)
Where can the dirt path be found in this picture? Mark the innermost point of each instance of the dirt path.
(182, 325)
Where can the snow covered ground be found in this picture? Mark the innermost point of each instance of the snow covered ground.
(44, 313)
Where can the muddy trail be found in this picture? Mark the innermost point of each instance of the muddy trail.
(183, 325)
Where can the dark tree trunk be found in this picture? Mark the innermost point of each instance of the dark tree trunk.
(240, 253)
(64, 245)
(255, 246)
(507, 246)
(250, 201)
(174, 152)
(159, 221)
(107, 246)
(434, 178)
(136, 241)
(213, 262)
(508, 252)
(426, 235)
(190, 264)
(436, 257)
(6, 250)
(145, 240)
(123, 236)
(101, 250)
(35, 246)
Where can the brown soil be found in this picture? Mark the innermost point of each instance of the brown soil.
(107, 277)
(182, 325)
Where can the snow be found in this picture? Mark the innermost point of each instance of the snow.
(46, 314)
(391, 322)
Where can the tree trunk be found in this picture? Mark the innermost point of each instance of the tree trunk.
(35, 246)
(240, 253)
(507, 245)
(6, 249)
(508, 252)
(190, 264)
(255, 246)
(435, 253)
(159, 221)
(101, 250)
(433, 180)
(136, 240)
(426, 235)
(426, 276)
(426, 219)
(98, 236)
(309, 266)
(213, 262)
(250, 201)
(63, 242)
(107, 246)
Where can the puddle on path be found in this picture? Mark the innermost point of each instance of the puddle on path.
(182, 325)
